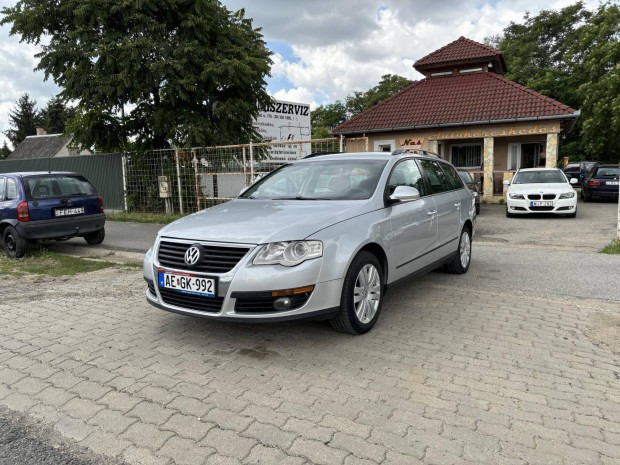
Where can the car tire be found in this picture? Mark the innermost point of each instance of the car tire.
(462, 259)
(14, 244)
(585, 196)
(477, 209)
(509, 215)
(362, 295)
(572, 215)
(95, 237)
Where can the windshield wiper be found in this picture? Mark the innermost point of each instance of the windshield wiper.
(299, 197)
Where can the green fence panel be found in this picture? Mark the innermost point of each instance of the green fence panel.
(104, 171)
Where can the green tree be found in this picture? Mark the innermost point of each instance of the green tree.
(362, 101)
(5, 151)
(55, 114)
(23, 120)
(573, 55)
(327, 117)
(170, 72)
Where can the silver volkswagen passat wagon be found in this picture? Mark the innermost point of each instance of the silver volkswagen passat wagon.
(319, 238)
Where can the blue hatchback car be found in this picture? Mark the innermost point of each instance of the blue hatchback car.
(43, 206)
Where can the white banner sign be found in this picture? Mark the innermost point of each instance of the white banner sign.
(282, 122)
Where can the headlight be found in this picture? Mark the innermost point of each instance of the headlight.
(516, 196)
(567, 195)
(288, 253)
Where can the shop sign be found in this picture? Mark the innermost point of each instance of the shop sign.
(499, 131)
(411, 142)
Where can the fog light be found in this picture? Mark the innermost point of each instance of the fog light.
(282, 303)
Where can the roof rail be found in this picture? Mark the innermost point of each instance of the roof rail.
(414, 150)
(318, 154)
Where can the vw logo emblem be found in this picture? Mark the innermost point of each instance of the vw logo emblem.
(192, 256)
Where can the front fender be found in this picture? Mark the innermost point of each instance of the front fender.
(342, 241)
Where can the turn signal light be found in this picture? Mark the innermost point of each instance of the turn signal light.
(100, 204)
(22, 212)
(298, 290)
(594, 182)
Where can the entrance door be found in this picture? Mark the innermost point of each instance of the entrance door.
(527, 155)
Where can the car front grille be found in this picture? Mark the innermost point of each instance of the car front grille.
(216, 259)
(192, 302)
(538, 196)
(265, 304)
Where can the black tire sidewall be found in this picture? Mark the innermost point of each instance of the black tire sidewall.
(463, 269)
(20, 244)
(346, 302)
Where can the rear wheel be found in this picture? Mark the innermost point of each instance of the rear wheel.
(585, 196)
(95, 237)
(362, 296)
(14, 244)
(462, 259)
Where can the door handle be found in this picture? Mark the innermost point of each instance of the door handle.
(431, 212)
(457, 205)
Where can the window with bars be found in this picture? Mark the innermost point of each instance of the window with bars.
(464, 156)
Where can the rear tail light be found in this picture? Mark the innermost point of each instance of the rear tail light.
(22, 212)
(100, 204)
(593, 182)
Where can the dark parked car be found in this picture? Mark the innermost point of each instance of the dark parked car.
(472, 185)
(41, 206)
(579, 170)
(602, 182)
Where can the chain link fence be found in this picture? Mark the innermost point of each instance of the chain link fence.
(187, 180)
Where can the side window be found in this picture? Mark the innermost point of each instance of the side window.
(2, 182)
(407, 173)
(453, 176)
(437, 178)
(11, 189)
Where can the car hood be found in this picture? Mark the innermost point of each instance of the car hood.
(542, 188)
(254, 221)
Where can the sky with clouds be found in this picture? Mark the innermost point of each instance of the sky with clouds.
(323, 50)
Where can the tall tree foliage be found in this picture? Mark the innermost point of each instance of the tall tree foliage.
(5, 151)
(186, 72)
(55, 115)
(573, 55)
(23, 120)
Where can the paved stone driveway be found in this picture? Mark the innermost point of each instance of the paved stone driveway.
(444, 378)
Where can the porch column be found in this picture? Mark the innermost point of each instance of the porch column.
(488, 168)
(433, 147)
(552, 150)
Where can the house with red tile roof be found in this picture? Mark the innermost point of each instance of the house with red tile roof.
(468, 113)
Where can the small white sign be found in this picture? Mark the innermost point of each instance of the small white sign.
(282, 122)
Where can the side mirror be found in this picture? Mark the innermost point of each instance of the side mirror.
(404, 194)
(574, 181)
(506, 183)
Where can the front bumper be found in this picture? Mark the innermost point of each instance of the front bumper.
(233, 301)
(61, 227)
(524, 207)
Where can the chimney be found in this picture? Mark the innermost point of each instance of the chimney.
(41, 131)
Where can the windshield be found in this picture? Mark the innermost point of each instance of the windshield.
(320, 180)
(51, 186)
(607, 171)
(539, 177)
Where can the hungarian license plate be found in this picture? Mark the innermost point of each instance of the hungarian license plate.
(613, 183)
(541, 204)
(69, 211)
(187, 283)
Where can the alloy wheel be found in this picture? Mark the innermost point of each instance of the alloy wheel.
(367, 293)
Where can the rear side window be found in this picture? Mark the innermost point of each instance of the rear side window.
(572, 169)
(453, 176)
(45, 187)
(11, 189)
(437, 178)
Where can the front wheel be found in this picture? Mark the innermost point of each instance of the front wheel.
(14, 244)
(462, 259)
(362, 296)
(95, 237)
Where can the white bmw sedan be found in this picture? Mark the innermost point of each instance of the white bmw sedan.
(540, 190)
